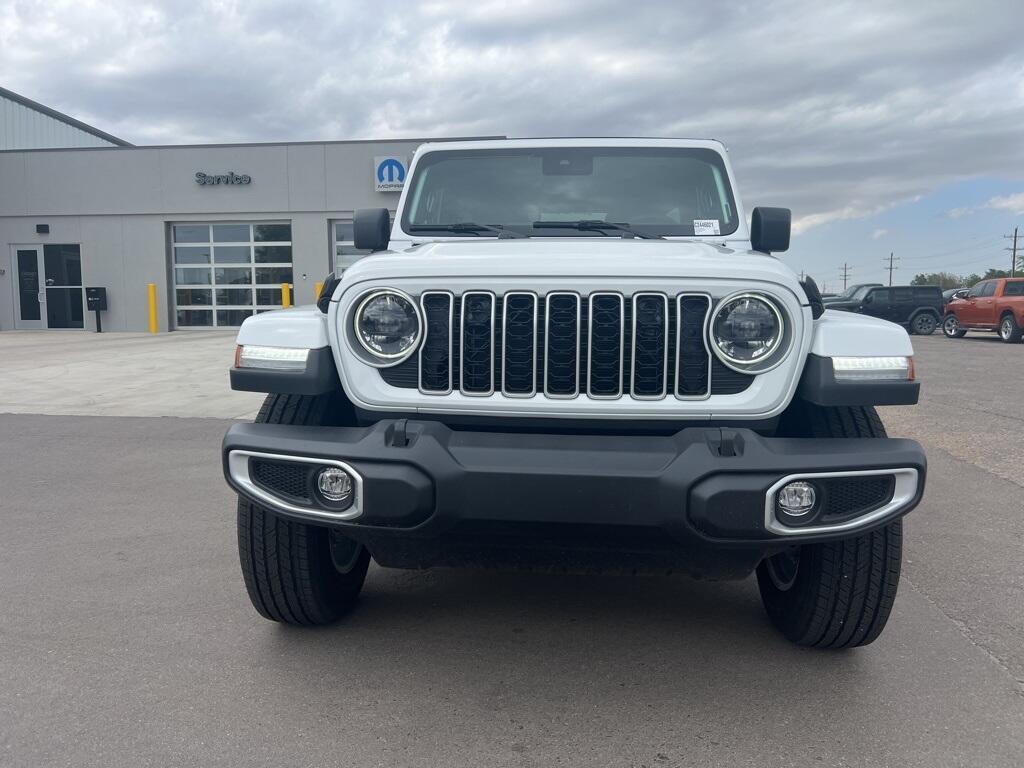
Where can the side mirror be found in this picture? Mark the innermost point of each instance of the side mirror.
(868, 299)
(961, 294)
(769, 229)
(371, 229)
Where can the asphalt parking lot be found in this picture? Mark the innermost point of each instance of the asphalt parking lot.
(127, 638)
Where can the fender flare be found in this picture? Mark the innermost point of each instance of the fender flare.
(299, 328)
(847, 334)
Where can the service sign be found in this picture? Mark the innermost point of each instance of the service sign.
(389, 173)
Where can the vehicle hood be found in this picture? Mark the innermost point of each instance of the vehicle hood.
(574, 257)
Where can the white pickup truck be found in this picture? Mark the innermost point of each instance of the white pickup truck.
(574, 354)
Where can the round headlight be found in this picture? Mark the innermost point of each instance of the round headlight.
(387, 324)
(747, 330)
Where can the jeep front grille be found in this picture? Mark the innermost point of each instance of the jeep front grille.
(604, 345)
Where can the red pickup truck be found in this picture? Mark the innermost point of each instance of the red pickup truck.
(991, 305)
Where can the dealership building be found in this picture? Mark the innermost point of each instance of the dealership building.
(216, 228)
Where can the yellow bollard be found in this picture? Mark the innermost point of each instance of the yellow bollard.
(317, 287)
(286, 295)
(153, 326)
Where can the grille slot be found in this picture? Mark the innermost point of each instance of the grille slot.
(519, 358)
(604, 345)
(436, 353)
(693, 358)
(477, 343)
(650, 346)
(283, 478)
(607, 319)
(562, 345)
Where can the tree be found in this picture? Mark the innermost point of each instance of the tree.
(942, 279)
(994, 273)
(972, 279)
(950, 280)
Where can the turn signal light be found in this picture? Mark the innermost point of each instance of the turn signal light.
(873, 368)
(270, 358)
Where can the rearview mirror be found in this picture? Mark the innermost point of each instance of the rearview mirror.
(769, 229)
(371, 229)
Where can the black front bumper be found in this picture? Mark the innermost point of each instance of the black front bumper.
(695, 500)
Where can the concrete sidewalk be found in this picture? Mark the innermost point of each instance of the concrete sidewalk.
(74, 373)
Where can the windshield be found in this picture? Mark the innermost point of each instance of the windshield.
(863, 291)
(655, 191)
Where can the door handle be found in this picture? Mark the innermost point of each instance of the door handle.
(42, 296)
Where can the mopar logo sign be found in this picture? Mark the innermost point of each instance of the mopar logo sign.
(388, 174)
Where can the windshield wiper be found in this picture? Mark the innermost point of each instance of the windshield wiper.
(469, 227)
(594, 225)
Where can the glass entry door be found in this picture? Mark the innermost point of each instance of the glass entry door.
(48, 286)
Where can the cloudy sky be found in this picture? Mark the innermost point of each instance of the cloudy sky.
(885, 126)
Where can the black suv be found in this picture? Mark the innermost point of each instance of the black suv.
(916, 307)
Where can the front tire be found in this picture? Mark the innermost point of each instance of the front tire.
(838, 594)
(951, 327)
(1009, 331)
(297, 573)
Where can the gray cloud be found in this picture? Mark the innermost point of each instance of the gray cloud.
(838, 110)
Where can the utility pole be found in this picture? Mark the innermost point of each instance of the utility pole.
(845, 274)
(1013, 252)
(801, 275)
(892, 266)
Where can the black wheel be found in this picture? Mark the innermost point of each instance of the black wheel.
(923, 324)
(838, 594)
(951, 327)
(1009, 331)
(297, 573)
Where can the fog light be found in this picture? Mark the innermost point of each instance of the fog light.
(335, 485)
(796, 499)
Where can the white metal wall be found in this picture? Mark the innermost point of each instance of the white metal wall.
(24, 128)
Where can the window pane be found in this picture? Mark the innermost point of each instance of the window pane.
(187, 317)
(232, 254)
(346, 257)
(343, 231)
(232, 316)
(270, 296)
(232, 276)
(273, 254)
(231, 233)
(191, 233)
(64, 308)
(990, 289)
(192, 255)
(63, 265)
(241, 296)
(192, 276)
(273, 232)
(273, 275)
(194, 296)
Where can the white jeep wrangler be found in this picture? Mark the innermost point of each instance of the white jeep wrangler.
(573, 354)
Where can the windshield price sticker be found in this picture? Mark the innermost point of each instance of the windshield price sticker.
(706, 227)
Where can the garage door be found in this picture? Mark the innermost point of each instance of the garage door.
(226, 271)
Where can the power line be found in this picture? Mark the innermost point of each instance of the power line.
(973, 247)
